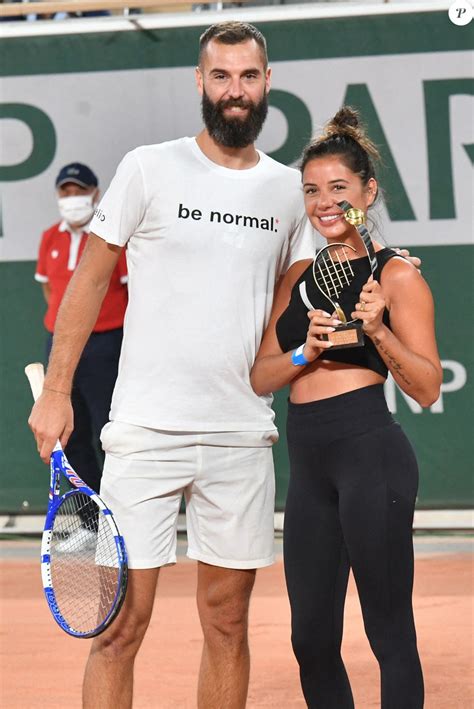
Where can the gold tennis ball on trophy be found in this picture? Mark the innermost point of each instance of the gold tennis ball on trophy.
(355, 216)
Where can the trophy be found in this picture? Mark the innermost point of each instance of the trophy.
(332, 273)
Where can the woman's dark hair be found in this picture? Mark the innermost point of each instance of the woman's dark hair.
(345, 136)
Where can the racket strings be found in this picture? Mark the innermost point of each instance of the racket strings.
(85, 567)
(332, 272)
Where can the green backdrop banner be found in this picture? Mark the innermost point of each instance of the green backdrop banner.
(93, 96)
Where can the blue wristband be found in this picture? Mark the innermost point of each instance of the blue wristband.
(298, 358)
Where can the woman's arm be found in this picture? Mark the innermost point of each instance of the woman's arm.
(409, 348)
(273, 369)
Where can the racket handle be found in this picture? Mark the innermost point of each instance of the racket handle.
(35, 374)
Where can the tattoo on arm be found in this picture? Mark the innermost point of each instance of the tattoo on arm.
(394, 365)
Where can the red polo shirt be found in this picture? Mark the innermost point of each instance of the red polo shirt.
(59, 254)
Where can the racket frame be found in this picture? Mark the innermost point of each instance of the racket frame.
(59, 465)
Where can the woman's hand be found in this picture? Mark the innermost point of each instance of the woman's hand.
(370, 307)
(320, 323)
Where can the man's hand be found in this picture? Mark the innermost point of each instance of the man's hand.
(414, 260)
(51, 419)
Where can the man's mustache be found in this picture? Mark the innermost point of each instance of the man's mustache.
(235, 103)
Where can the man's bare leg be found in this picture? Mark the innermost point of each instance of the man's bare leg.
(223, 598)
(108, 679)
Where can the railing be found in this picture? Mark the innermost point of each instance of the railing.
(13, 9)
(18, 9)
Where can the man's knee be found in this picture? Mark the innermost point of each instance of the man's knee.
(124, 637)
(223, 601)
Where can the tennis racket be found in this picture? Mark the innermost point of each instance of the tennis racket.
(83, 556)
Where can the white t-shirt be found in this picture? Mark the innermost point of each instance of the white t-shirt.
(205, 246)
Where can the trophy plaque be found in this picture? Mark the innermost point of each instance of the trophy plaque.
(332, 273)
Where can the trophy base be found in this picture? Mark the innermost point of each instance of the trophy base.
(351, 335)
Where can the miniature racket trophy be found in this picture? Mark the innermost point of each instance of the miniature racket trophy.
(333, 274)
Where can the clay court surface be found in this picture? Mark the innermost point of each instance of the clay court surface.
(42, 667)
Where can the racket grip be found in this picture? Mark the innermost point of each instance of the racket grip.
(35, 374)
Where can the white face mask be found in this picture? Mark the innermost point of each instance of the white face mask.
(77, 210)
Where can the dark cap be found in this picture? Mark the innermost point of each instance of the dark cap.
(77, 173)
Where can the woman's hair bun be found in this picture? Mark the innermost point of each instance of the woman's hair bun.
(346, 117)
(347, 122)
(344, 135)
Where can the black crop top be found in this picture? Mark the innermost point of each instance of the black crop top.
(292, 325)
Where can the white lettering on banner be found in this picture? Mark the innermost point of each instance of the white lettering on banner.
(457, 382)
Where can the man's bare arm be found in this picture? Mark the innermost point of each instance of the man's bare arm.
(46, 288)
(51, 417)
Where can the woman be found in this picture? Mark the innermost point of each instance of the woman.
(354, 476)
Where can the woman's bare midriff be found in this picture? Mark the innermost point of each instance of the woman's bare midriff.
(324, 379)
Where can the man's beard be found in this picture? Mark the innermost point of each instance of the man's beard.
(234, 132)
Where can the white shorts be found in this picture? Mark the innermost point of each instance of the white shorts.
(228, 482)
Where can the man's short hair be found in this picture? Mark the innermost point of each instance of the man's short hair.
(233, 33)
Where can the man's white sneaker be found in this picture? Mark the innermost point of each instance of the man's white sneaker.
(80, 540)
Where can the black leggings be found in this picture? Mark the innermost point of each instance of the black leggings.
(350, 504)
